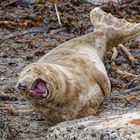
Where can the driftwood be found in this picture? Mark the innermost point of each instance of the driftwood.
(118, 127)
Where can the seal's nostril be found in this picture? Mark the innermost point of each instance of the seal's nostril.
(21, 86)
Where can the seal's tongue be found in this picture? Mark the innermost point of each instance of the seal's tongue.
(38, 89)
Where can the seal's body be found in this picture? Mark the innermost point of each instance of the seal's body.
(71, 81)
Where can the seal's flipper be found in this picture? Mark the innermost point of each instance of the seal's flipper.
(116, 30)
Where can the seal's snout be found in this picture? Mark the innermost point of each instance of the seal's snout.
(21, 86)
(24, 83)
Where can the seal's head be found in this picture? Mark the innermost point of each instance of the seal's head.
(35, 83)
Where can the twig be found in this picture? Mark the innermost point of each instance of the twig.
(58, 17)
(125, 73)
(115, 53)
(111, 55)
(127, 53)
(136, 88)
(132, 92)
(135, 79)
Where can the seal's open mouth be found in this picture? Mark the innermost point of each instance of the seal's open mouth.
(39, 89)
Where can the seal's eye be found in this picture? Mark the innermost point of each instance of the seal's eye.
(39, 89)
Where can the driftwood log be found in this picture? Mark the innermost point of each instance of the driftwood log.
(112, 127)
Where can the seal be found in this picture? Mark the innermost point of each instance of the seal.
(71, 81)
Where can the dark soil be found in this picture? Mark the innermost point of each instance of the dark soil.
(29, 31)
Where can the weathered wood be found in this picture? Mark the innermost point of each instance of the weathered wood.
(117, 127)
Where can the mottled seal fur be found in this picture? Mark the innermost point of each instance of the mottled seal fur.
(71, 80)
